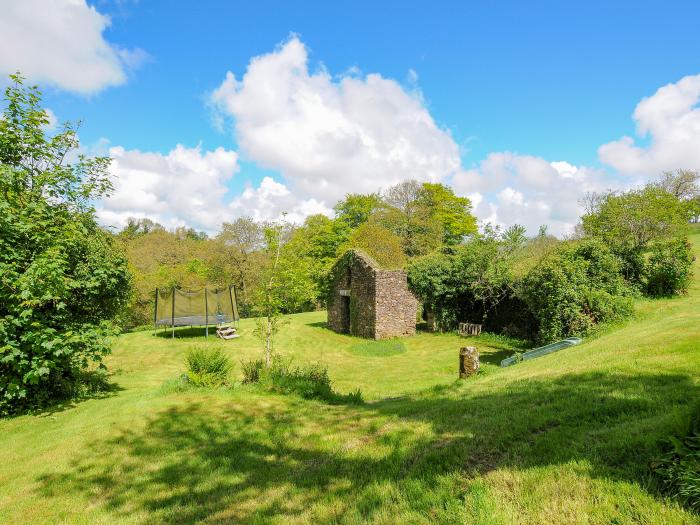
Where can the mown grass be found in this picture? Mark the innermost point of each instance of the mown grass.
(567, 438)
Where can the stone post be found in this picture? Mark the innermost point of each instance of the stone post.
(468, 361)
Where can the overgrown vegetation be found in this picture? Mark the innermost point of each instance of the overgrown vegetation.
(629, 244)
(208, 367)
(307, 381)
(62, 280)
(679, 468)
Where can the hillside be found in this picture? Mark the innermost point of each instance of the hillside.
(566, 438)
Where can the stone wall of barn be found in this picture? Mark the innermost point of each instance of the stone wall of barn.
(396, 305)
(367, 301)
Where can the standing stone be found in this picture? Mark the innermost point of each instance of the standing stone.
(468, 361)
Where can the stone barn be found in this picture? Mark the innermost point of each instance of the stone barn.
(369, 301)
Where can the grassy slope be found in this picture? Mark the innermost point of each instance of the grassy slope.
(563, 439)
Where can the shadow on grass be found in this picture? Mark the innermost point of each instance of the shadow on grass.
(264, 461)
(187, 332)
(318, 324)
(93, 385)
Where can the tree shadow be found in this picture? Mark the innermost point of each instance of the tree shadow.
(283, 460)
(495, 358)
(318, 324)
(187, 332)
(93, 385)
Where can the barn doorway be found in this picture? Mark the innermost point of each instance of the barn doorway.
(345, 313)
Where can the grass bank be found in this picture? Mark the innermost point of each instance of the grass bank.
(566, 438)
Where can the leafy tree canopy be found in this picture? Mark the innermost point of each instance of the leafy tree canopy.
(62, 280)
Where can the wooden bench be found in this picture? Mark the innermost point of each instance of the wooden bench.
(467, 329)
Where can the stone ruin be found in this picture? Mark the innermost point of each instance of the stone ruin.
(366, 300)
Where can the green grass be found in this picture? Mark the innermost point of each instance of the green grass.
(566, 438)
(385, 348)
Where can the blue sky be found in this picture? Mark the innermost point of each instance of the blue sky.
(509, 82)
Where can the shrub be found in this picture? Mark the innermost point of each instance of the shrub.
(252, 370)
(575, 288)
(669, 268)
(62, 279)
(464, 283)
(678, 469)
(208, 368)
(310, 381)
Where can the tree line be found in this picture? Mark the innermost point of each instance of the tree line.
(67, 286)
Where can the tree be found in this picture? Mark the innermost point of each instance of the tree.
(630, 222)
(356, 208)
(308, 258)
(241, 241)
(685, 186)
(452, 212)
(574, 288)
(379, 243)
(407, 215)
(682, 184)
(463, 283)
(137, 227)
(270, 297)
(62, 279)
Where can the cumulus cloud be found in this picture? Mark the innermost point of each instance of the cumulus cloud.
(670, 120)
(271, 199)
(186, 187)
(331, 135)
(61, 43)
(508, 188)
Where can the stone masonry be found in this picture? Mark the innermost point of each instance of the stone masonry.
(368, 301)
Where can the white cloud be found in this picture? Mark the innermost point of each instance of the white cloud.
(270, 199)
(529, 190)
(670, 119)
(184, 187)
(61, 43)
(328, 137)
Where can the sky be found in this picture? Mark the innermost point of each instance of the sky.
(215, 110)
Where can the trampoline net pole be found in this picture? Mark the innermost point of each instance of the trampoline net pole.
(155, 315)
(234, 304)
(173, 315)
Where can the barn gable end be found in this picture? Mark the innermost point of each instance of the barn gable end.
(368, 301)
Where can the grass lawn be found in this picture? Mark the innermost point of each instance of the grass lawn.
(566, 438)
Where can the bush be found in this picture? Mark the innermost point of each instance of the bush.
(62, 279)
(678, 470)
(309, 382)
(464, 283)
(208, 368)
(669, 268)
(574, 289)
(252, 370)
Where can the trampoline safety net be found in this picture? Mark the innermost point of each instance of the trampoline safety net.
(195, 307)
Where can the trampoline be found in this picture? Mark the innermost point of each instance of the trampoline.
(215, 307)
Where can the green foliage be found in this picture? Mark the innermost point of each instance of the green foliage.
(452, 212)
(669, 268)
(574, 289)
(208, 367)
(306, 260)
(379, 243)
(310, 381)
(630, 222)
(356, 209)
(678, 470)
(62, 279)
(465, 283)
(252, 370)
